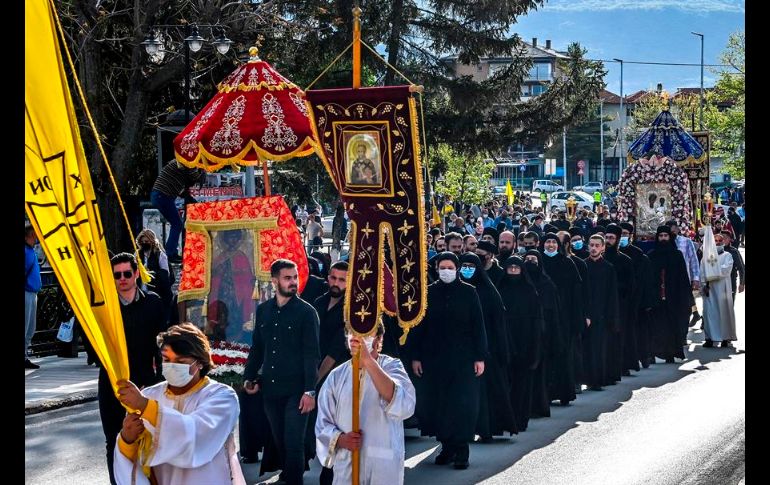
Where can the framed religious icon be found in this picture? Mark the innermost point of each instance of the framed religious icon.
(363, 166)
(653, 207)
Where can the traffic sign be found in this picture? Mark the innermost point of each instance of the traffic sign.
(581, 165)
(523, 168)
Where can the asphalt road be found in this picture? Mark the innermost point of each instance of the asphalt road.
(678, 423)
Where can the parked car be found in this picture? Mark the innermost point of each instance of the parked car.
(559, 200)
(546, 186)
(590, 187)
(327, 223)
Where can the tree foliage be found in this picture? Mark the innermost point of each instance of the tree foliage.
(130, 96)
(466, 177)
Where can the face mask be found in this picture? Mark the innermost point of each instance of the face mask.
(368, 341)
(467, 273)
(550, 254)
(447, 275)
(532, 267)
(720, 249)
(320, 267)
(513, 277)
(623, 241)
(521, 250)
(577, 245)
(177, 375)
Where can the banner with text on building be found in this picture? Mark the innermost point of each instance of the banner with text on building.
(59, 198)
(368, 140)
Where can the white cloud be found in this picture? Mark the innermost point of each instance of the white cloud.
(701, 6)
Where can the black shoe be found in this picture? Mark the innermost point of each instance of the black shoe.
(595, 388)
(486, 439)
(564, 402)
(28, 364)
(461, 464)
(708, 343)
(626, 373)
(695, 318)
(445, 457)
(645, 363)
(726, 344)
(670, 360)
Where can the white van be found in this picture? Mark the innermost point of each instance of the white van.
(546, 186)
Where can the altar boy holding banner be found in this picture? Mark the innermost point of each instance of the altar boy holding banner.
(387, 399)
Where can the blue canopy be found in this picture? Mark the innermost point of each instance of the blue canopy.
(667, 137)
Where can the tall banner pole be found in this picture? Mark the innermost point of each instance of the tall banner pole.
(355, 357)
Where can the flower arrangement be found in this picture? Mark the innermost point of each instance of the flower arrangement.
(230, 362)
(654, 170)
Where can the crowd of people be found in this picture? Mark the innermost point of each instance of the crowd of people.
(525, 310)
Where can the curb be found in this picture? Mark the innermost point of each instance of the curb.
(43, 405)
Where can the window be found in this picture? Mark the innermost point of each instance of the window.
(540, 71)
(538, 89)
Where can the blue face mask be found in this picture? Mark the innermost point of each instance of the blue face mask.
(623, 241)
(550, 254)
(521, 250)
(577, 245)
(467, 273)
(320, 267)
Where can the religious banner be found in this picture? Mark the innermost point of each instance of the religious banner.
(59, 197)
(369, 142)
(229, 247)
(698, 172)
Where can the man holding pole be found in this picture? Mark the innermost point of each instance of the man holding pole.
(387, 398)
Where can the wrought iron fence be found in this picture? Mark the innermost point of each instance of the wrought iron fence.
(52, 309)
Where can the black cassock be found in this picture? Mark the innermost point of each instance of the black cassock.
(448, 341)
(561, 373)
(582, 295)
(496, 414)
(602, 309)
(552, 339)
(524, 324)
(671, 314)
(644, 303)
(495, 273)
(624, 270)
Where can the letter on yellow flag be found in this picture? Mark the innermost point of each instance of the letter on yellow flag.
(59, 198)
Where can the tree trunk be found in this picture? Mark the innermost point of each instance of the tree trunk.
(394, 39)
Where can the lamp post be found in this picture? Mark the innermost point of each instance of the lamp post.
(700, 116)
(601, 141)
(622, 115)
(193, 42)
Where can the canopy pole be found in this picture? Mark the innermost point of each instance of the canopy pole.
(356, 49)
(266, 178)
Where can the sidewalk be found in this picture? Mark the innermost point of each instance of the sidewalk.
(59, 382)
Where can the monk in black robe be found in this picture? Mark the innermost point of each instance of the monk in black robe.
(578, 242)
(524, 323)
(602, 312)
(672, 297)
(627, 301)
(645, 296)
(486, 251)
(450, 348)
(583, 295)
(564, 274)
(495, 411)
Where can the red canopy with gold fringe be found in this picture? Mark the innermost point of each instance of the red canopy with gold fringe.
(257, 115)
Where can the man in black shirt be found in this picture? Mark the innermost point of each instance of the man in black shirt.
(739, 267)
(331, 337)
(285, 347)
(143, 319)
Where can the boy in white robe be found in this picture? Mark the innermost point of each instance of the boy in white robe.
(387, 399)
(190, 419)
(718, 311)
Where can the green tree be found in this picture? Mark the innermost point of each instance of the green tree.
(728, 127)
(466, 177)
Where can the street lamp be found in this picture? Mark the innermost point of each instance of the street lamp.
(622, 118)
(193, 42)
(700, 120)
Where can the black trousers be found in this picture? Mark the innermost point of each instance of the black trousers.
(112, 414)
(288, 428)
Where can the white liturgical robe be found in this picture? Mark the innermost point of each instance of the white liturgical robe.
(192, 439)
(382, 430)
(718, 312)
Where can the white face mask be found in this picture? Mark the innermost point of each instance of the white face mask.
(447, 275)
(177, 375)
(368, 341)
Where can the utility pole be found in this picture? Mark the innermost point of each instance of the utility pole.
(622, 120)
(564, 153)
(700, 120)
(601, 141)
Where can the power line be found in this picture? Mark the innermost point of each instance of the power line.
(665, 63)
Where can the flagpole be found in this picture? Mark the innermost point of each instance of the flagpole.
(356, 458)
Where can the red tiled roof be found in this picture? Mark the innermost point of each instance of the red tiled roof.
(609, 97)
(633, 98)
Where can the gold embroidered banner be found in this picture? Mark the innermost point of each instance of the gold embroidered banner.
(369, 142)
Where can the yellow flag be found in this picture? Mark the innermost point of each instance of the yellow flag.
(436, 216)
(59, 197)
(509, 191)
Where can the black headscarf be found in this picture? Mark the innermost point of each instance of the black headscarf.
(447, 255)
(512, 283)
(536, 273)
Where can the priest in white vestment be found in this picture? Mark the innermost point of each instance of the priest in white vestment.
(387, 399)
(718, 312)
(190, 419)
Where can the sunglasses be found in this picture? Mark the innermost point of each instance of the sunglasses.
(125, 274)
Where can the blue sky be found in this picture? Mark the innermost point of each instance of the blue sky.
(640, 30)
